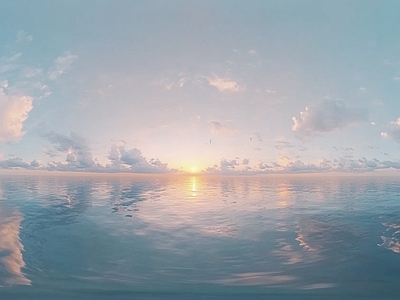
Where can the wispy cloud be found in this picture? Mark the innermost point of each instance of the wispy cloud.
(61, 65)
(9, 63)
(23, 36)
(225, 85)
(218, 128)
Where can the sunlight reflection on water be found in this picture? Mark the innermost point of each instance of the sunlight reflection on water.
(188, 234)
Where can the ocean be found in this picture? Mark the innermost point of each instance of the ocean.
(199, 237)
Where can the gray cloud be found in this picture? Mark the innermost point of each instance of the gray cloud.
(78, 152)
(327, 116)
(132, 160)
(14, 163)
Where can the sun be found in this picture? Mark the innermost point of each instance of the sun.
(193, 169)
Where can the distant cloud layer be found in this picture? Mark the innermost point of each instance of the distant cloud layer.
(78, 157)
(344, 165)
(327, 116)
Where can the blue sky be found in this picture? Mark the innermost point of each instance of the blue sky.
(220, 86)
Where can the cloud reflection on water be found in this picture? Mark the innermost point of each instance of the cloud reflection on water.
(11, 249)
(391, 242)
(257, 278)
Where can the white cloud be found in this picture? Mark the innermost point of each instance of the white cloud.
(61, 65)
(13, 113)
(327, 116)
(225, 85)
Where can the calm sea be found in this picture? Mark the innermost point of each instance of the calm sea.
(164, 237)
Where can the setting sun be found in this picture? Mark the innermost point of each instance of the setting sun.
(193, 169)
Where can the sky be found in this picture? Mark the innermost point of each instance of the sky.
(219, 87)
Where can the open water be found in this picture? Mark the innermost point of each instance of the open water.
(182, 237)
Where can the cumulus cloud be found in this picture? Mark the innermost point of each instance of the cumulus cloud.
(225, 85)
(14, 111)
(78, 157)
(218, 128)
(14, 163)
(78, 154)
(327, 116)
(132, 160)
(61, 65)
(393, 132)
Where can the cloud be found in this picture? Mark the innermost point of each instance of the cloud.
(14, 163)
(78, 157)
(393, 132)
(14, 111)
(8, 63)
(327, 116)
(218, 128)
(253, 52)
(23, 36)
(283, 144)
(132, 160)
(225, 85)
(61, 65)
(289, 166)
(78, 152)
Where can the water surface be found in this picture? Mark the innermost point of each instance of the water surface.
(164, 237)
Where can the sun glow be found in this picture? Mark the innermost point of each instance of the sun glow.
(193, 169)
